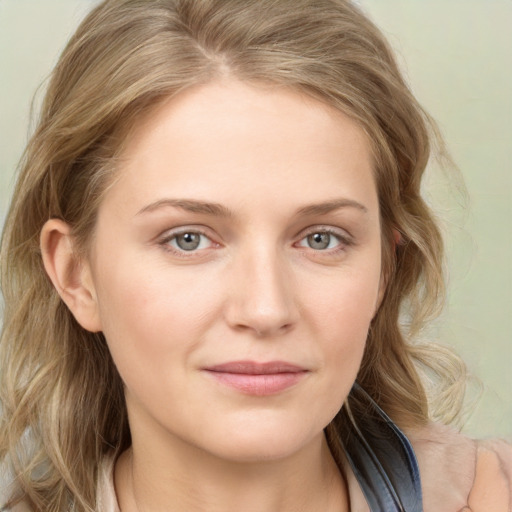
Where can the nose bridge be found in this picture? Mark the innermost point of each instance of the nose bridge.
(262, 298)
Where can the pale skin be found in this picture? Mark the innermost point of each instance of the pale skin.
(243, 226)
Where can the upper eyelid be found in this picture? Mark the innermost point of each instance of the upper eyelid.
(342, 233)
(173, 232)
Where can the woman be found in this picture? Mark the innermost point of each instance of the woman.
(216, 227)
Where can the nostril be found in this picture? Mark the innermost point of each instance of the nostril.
(262, 332)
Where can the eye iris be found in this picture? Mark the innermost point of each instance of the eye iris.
(319, 240)
(188, 241)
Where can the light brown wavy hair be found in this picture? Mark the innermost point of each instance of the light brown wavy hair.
(62, 399)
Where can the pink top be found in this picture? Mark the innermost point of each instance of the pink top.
(458, 474)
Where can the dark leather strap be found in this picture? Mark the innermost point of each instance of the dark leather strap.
(382, 459)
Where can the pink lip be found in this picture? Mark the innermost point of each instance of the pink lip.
(259, 379)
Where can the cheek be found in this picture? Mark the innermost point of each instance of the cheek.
(346, 302)
(340, 316)
(151, 317)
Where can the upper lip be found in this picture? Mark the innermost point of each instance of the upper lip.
(255, 368)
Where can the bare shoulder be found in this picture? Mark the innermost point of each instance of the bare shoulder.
(459, 473)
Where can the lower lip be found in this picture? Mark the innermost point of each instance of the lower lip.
(259, 385)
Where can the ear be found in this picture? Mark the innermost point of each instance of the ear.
(71, 276)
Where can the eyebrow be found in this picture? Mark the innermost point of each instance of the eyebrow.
(218, 210)
(189, 205)
(330, 206)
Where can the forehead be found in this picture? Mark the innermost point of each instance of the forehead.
(237, 140)
(229, 107)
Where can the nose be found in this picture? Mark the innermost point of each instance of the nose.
(261, 298)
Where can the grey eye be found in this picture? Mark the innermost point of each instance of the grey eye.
(319, 241)
(188, 241)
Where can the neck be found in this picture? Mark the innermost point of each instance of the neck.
(150, 478)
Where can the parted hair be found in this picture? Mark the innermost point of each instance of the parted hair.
(62, 402)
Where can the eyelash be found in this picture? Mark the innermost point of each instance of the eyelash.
(344, 241)
(165, 241)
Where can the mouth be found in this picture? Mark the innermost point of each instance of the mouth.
(257, 379)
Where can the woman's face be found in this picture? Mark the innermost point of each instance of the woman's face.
(236, 267)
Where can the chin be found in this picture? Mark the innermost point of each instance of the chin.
(263, 443)
(254, 452)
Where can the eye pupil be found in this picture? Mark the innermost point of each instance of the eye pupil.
(319, 240)
(188, 241)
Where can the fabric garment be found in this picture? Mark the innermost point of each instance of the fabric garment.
(458, 474)
(380, 456)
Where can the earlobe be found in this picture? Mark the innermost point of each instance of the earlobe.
(70, 275)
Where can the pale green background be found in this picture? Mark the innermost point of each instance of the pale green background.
(457, 55)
